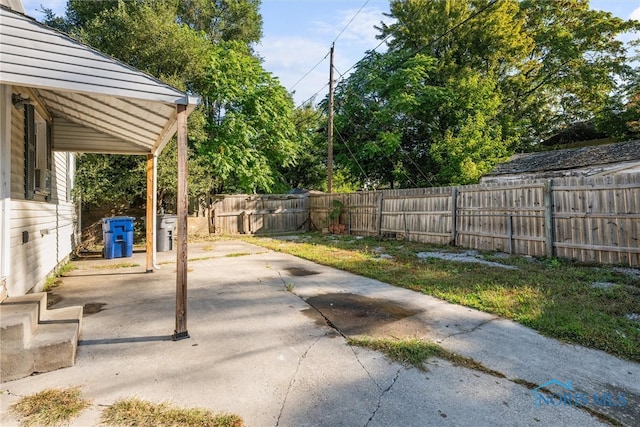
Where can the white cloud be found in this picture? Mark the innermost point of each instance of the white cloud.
(289, 58)
(360, 31)
(635, 14)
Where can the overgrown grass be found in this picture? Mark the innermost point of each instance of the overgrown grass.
(140, 413)
(50, 407)
(54, 280)
(553, 296)
(416, 352)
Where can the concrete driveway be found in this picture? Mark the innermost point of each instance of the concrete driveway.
(260, 350)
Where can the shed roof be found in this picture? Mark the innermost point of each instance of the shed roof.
(568, 159)
(98, 103)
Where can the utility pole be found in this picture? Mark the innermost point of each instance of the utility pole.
(330, 126)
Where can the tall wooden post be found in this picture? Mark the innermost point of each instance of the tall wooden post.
(149, 218)
(181, 275)
(330, 127)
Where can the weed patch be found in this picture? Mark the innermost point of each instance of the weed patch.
(51, 407)
(136, 412)
(416, 352)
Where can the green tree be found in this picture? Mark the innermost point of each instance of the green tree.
(575, 63)
(115, 181)
(251, 129)
(465, 82)
(403, 125)
(310, 169)
(223, 20)
(147, 36)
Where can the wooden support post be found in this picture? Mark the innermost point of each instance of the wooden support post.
(149, 223)
(182, 211)
(454, 216)
(548, 218)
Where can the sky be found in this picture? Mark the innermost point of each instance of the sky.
(297, 36)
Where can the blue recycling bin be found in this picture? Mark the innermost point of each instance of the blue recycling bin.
(117, 233)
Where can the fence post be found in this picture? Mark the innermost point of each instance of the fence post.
(454, 213)
(380, 204)
(510, 232)
(548, 218)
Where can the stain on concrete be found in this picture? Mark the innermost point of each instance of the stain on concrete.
(92, 308)
(53, 299)
(357, 315)
(297, 271)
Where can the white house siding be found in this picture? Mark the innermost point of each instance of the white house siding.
(63, 172)
(49, 225)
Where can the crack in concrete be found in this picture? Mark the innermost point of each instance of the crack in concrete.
(475, 328)
(381, 396)
(293, 379)
(335, 328)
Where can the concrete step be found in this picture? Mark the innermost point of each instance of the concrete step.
(35, 339)
(19, 317)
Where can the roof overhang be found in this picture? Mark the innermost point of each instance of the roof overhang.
(97, 103)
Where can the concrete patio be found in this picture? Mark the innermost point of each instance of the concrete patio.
(259, 350)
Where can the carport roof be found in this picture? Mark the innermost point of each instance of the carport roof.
(98, 104)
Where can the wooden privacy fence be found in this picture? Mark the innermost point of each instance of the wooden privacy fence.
(259, 214)
(587, 219)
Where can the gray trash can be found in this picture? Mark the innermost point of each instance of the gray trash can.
(165, 225)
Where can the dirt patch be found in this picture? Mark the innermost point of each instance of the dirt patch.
(297, 271)
(92, 308)
(357, 315)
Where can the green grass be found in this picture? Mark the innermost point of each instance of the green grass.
(136, 412)
(237, 254)
(51, 407)
(552, 296)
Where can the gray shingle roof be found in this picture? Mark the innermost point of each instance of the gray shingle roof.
(567, 159)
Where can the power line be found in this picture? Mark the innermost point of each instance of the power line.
(350, 21)
(334, 40)
(313, 96)
(309, 72)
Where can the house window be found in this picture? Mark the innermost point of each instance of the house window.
(37, 155)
